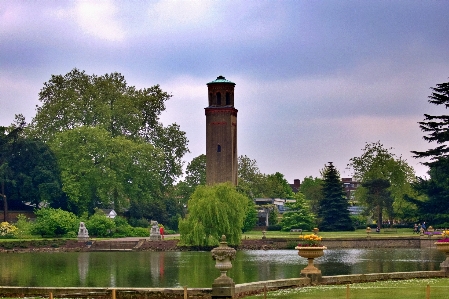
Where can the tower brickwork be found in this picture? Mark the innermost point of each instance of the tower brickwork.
(221, 133)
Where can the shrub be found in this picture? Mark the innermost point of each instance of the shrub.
(100, 225)
(54, 222)
(24, 227)
(7, 230)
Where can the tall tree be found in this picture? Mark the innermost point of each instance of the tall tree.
(333, 212)
(80, 100)
(250, 179)
(436, 127)
(98, 170)
(378, 162)
(435, 207)
(378, 198)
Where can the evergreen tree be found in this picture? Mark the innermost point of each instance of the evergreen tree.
(333, 212)
(436, 207)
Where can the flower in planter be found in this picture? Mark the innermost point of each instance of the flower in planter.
(445, 236)
(309, 241)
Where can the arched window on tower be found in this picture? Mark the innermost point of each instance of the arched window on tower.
(218, 148)
(228, 99)
(218, 99)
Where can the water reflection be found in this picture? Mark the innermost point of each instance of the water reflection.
(196, 269)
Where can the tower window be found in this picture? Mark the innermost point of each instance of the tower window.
(218, 148)
(228, 99)
(218, 99)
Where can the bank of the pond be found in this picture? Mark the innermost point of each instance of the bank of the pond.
(144, 244)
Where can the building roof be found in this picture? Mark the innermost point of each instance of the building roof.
(220, 79)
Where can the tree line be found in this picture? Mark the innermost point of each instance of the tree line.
(96, 142)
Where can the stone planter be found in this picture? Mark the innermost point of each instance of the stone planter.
(444, 247)
(310, 253)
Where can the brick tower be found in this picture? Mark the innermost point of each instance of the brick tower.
(221, 133)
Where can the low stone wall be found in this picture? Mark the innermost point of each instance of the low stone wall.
(380, 242)
(241, 290)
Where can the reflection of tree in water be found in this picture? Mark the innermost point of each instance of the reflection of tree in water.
(83, 267)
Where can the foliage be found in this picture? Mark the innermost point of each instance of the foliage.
(54, 222)
(7, 230)
(310, 240)
(435, 207)
(378, 197)
(276, 186)
(333, 211)
(28, 169)
(250, 179)
(99, 225)
(250, 220)
(195, 176)
(98, 170)
(311, 188)
(24, 227)
(298, 214)
(436, 127)
(213, 211)
(378, 162)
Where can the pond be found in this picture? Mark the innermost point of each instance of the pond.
(196, 269)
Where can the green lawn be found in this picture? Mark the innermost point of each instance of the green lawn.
(409, 289)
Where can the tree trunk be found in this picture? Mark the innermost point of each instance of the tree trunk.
(379, 216)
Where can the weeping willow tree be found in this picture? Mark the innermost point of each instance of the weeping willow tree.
(213, 211)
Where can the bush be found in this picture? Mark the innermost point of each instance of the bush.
(140, 232)
(54, 222)
(142, 222)
(276, 227)
(100, 225)
(7, 230)
(24, 227)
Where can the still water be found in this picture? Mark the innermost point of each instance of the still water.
(196, 269)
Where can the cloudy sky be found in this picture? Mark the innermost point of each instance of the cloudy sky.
(315, 80)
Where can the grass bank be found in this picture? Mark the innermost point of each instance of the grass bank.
(436, 288)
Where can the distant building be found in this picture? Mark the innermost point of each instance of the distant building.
(110, 213)
(350, 185)
(295, 186)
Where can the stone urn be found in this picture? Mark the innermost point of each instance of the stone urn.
(310, 253)
(223, 255)
(223, 286)
(444, 247)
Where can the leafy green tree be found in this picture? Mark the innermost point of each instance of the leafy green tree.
(99, 170)
(435, 207)
(55, 223)
(213, 211)
(377, 162)
(276, 186)
(79, 100)
(333, 212)
(378, 198)
(298, 214)
(195, 176)
(250, 216)
(251, 181)
(312, 190)
(28, 170)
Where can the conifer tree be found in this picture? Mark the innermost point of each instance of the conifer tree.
(333, 211)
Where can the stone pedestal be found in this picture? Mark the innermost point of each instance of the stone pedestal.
(444, 247)
(155, 234)
(223, 287)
